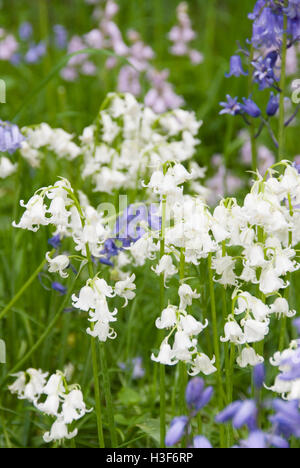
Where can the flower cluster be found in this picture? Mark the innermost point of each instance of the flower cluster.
(54, 397)
(128, 139)
(182, 34)
(93, 299)
(107, 35)
(273, 53)
(42, 137)
(81, 222)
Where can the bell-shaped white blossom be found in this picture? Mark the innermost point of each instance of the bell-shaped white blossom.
(168, 318)
(249, 357)
(125, 289)
(166, 268)
(203, 364)
(59, 431)
(35, 214)
(73, 407)
(29, 385)
(281, 307)
(58, 264)
(233, 333)
(186, 295)
(254, 330)
(165, 355)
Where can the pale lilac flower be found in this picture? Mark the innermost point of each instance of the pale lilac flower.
(162, 96)
(129, 81)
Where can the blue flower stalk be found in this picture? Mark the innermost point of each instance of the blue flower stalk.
(197, 396)
(275, 26)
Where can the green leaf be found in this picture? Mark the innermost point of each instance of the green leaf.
(128, 396)
(151, 427)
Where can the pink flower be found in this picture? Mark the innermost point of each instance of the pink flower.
(129, 81)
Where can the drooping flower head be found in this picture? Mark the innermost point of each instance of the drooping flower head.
(10, 137)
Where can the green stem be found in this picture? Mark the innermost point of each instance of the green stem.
(229, 432)
(97, 394)
(95, 367)
(252, 128)
(182, 366)
(209, 39)
(162, 372)
(216, 344)
(108, 396)
(24, 287)
(281, 133)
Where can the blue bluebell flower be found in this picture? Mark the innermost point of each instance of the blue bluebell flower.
(176, 431)
(55, 241)
(59, 288)
(241, 413)
(10, 137)
(286, 419)
(135, 367)
(194, 390)
(264, 70)
(25, 31)
(236, 67)
(138, 371)
(128, 226)
(259, 5)
(196, 395)
(262, 440)
(250, 108)
(232, 106)
(296, 321)
(60, 36)
(273, 105)
(292, 367)
(35, 52)
(293, 12)
(259, 375)
(201, 442)
(267, 25)
(16, 59)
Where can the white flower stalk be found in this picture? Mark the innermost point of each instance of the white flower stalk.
(29, 385)
(42, 137)
(93, 299)
(185, 329)
(54, 398)
(36, 213)
(129, 138)
(254, 321)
